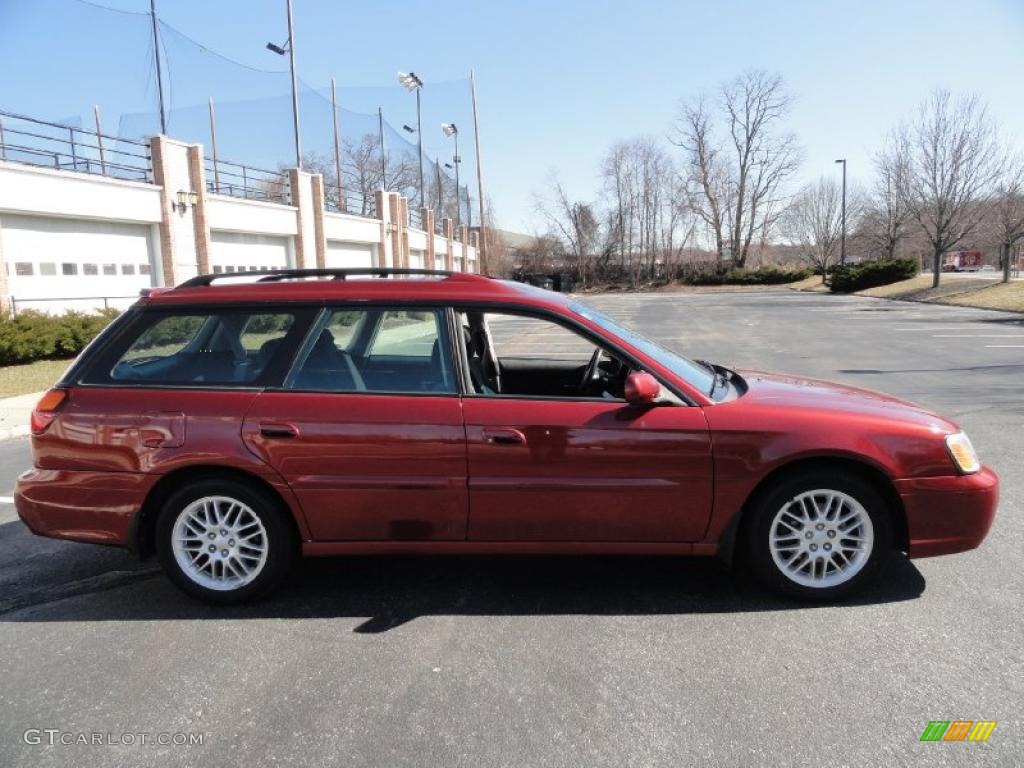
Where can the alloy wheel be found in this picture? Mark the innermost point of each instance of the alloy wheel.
(821, 538)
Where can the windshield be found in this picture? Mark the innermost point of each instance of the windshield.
(692, 373)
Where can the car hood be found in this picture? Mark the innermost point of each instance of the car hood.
(785, 391)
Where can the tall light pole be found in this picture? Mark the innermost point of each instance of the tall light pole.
(411, 82)
(281, 50)
(450, 129)
(842, 242)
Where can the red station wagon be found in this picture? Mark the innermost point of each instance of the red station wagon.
(230, 426)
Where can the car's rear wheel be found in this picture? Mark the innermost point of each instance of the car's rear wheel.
(819, 535)
(224, 541)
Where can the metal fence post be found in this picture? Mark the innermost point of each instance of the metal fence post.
(99, 139)
(74, 154)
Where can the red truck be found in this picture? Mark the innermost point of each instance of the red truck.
(962, 261)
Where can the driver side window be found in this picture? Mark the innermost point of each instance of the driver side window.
(515, 355)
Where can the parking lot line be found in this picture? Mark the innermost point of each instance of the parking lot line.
(6, 499)
(1004, 346)
(978, 336)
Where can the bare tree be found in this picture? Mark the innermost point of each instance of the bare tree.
(573, 222)
(887, 214)
(647, 215)
(737, 159)
(813, 222)
(1008, 210)
(954, 162)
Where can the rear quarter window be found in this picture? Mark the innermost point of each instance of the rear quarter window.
(223, 348)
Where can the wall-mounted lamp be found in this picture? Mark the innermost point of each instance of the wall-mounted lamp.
(185, 199)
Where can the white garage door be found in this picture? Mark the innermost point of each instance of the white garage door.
(416, 259)
(243, 252)
(340, 255)
(54, 264)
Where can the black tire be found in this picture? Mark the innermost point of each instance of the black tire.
(280, 540)
(768, 504)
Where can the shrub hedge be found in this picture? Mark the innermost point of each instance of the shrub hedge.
(31, 335)
(762, 276)
(868, 274)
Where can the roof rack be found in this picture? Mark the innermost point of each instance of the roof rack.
(276, 275)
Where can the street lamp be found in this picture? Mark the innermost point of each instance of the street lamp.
(450, 129)
(842, 242)
(280, 50)
(411, 82)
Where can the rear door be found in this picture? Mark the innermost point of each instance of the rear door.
(367, 429)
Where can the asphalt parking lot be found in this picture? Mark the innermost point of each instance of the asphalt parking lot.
(561, 661)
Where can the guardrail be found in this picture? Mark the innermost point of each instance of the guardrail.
(226, 177)
(68, 148)
(415, 218)
(351, 202)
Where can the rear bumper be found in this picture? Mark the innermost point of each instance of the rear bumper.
(948, 514)
(94, 507)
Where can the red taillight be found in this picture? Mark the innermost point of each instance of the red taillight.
(46, 410)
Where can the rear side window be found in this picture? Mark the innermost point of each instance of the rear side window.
(224, 348)
(376, 350)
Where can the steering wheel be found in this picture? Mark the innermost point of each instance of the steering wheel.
(592, 372)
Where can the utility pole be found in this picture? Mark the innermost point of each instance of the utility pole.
(383, 157)
(159, 73)
(479, 180)
(337, 152)
(295, 88)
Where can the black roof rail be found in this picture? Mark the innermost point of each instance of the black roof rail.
(275, 275)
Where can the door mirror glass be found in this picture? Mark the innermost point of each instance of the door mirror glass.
(641, 388)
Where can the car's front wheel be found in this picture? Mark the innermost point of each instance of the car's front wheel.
(223, 541)
(819, 535)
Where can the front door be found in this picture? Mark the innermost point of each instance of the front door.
(367, 429)
(557, 454)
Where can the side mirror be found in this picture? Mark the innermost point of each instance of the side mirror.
(641, 388)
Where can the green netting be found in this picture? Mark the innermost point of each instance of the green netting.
(252, 103)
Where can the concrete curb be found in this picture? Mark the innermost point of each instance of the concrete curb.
(15, 413)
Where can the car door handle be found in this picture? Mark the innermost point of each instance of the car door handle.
(278, 429)
(504, 437)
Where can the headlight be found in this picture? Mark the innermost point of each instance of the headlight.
(962, 452)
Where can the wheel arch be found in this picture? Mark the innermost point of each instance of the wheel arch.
(142, 533)
(877, 478)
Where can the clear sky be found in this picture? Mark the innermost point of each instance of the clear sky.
(558, 81)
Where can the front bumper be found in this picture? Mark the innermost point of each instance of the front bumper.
(94, 507)
(948, 514)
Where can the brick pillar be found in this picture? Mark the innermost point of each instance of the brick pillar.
(398, 224)
(382, 209)
(464, 250)
(449, 254)
(474, 243)
(428, 225)
(200, 222)
(403, 217)
(158, 151)
(320, 235)
(305, 234)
